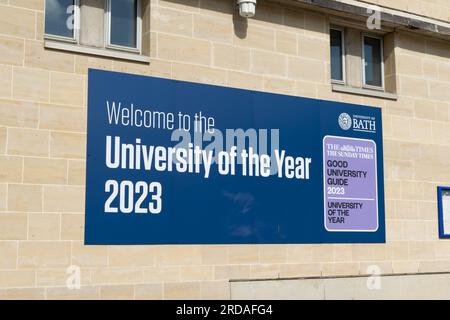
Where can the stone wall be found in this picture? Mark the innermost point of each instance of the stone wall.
(43, 140)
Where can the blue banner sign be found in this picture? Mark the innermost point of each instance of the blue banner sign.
(173, 162)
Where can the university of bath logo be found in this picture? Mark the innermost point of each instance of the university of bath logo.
(345, 121)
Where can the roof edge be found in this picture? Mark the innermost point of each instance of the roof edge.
(394, 18)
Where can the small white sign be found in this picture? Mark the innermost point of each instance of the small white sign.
(446, 211)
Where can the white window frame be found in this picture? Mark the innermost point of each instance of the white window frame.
(108, 30)
(363, 61)
(76, 30)
(344, 71)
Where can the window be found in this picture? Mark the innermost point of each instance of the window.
(372, 52)
(357, 61)
(337, 55)
(61, 17)
(123, 23)
(106, 27)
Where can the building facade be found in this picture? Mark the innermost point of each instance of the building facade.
(284, 48)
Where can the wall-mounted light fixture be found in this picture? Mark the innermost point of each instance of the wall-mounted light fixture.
(247, 8)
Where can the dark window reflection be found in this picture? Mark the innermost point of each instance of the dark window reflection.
(124, 23)
(59, 19)
(337, 68)
(372, 56)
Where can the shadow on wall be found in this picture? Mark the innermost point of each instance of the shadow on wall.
(240, 26)
(146, 27)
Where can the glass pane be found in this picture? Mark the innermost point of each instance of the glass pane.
(372, 56)
(59, 17)
(336, 55)
(124, 23)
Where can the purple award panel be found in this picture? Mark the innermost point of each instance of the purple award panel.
(350, 183)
